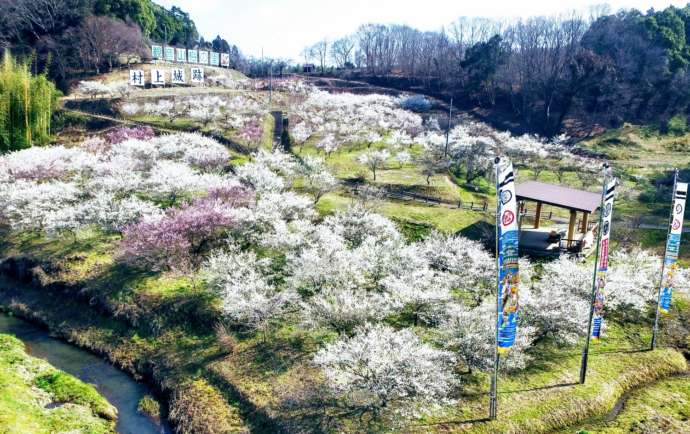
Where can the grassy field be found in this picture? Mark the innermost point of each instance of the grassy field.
(663, 406)
(27, 387)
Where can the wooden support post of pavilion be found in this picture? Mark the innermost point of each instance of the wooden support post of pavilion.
(585, 222)
(537, 216)
(571, 226)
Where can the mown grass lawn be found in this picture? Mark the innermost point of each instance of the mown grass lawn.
(444, 219)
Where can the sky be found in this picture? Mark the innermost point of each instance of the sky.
(282, 28)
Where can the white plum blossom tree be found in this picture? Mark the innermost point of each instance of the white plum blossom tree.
(345, 309)
(240, 280)
(319, 180)
(470, 332)
(381, 368)
(403, 157)
(374, 160)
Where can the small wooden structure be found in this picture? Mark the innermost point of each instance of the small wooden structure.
(553, 240)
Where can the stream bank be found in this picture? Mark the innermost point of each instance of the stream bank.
(117, 387)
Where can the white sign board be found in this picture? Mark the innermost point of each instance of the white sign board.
(197, 75)
(157, 51)
(158, 77)
(136, 77)
(203, 57)
(181, 55)
(177, 76)
(225, 59)
(192, 56)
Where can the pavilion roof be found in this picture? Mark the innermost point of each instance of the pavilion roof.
(559, 196)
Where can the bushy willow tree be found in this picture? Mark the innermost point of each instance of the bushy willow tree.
(26, 105)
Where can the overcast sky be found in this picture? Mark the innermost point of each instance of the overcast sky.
(284, 27)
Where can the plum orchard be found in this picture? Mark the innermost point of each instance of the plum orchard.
(398, 320)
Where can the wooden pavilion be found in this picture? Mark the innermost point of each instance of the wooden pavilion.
(565, 234)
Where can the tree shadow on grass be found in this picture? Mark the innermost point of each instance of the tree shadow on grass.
(256, 418)
(276, 355)
(534, 389)
(482, 232)
(459, 422)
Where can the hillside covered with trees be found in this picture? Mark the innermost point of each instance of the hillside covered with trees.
(547, 73)
(76, 37)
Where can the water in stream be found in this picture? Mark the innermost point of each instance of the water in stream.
(116, 386)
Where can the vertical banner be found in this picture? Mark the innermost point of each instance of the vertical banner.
(192, 56)
(603, 265)
(177, 76)
(673, 246)
(225, 60)
(136, 77)
(197, 75)
(156, 52)
(215, 58)
(508, 272)
(203, 57)
(169, 54)
(157, 77)
(181, 55)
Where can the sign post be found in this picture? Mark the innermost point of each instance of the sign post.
(157, 52)
(177, 76)
(158, 77)
(197, 75)
(169, 53)
(601, 264)
(136, 78)
(668, 267)
(215, 59)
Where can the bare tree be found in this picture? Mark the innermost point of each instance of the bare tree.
(102, 40)
(320, 51)
(341, 51)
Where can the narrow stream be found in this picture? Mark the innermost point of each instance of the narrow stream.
(116, 386)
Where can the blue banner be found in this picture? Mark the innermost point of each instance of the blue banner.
(508, 270)
(670, 264)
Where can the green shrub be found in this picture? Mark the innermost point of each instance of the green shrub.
(677, 125)
(150, 407)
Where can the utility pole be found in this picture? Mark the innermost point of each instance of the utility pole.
(270, 84)
(655, 330)
(585, 350)
(450, 116)
(493, 394)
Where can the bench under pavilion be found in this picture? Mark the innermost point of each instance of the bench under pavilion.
(572, 232)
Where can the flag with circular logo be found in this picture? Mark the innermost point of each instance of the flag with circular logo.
(673, 246)
(508, 271)
(603, 265)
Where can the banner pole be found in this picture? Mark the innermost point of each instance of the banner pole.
(655, 330)
(585, 350)
(493, 396)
